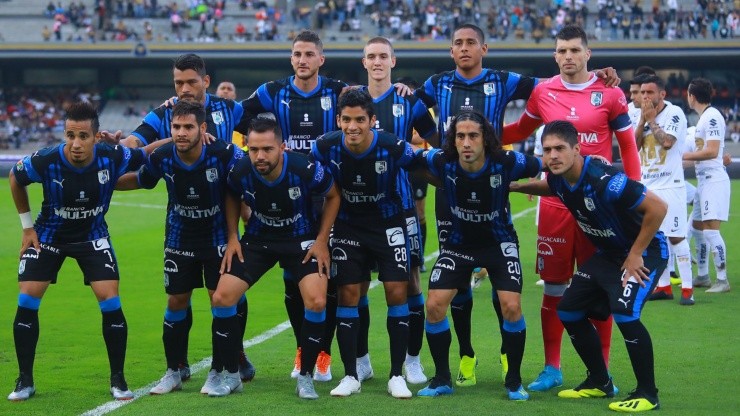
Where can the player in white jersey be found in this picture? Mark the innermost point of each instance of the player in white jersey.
(713, 183)
(633, 108)
(660, 127)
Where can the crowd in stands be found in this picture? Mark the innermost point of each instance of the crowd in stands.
(35, 115)
(201, 20)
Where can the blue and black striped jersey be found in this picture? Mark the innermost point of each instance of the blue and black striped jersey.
(195, 209)
(488, 93)
(604, 202)
(479, 201)
(282, 208)
(303, 116)
(75, 199)
(368, 181)
(222, 116)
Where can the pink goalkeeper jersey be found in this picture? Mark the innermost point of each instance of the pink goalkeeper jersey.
(595, 110)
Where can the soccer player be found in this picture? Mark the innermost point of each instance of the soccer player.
(597, 111)
(400, 116)
(227, 90)
(305, 107)
(78, 177)
(475, 174)
(370, 227)
(191, 82)
(195, 234)
(622, 218)
(278, 186)
(713, 183)
(633, 107)
(661, 125)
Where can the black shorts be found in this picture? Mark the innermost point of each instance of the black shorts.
(261, 255)
(96, 259)
(412, 231)
(355, 247)
(419, 185)
(455, 264)
(185, 270)
(596, 287)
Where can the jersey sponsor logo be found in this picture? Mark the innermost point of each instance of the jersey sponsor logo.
(221, 249)
(212, 174)
(435, 275)
(305, 245)
(19, 165)
(489, 88)
(617, 183)
(456, 254)
(82, 197)
(509, 249)
(474, 198)
(473, 216)
(395, 236)
(359, 198)
(411, 226)
(572, 115)
(50, 248)
(589, 203)
(442, 236)
(338, 254)
(22, 266)
(319, 175)
(101, 244)
(306, 121)
(495, 181)
(583, 274)
(588, 137)
(397, 110)
(217, 117)
(103, 176)
(30, 255)
(344, 242)
(294, 192)
(170, 266)
(326, 103)
(596, 98)
(596, 232)
(276, 221)
(675, 119)
(192, 194)
(77, 213)
(381, 166)
(58, 182)
(445, 263)
(179, 252)
(188, 212)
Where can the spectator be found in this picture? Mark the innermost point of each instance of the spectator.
(46, 33)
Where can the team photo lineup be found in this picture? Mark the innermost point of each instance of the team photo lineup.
(329, 181)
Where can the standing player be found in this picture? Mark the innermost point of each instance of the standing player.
(475, 174)
(400, 116)
(661, 125)
(633, 107)
(622, 219)
(305, 108)
(227, 90)
(195, 233)
(713, 183)
(222, 115)
(78, 177)
(370, 228)
(278, 187)
(597, 111)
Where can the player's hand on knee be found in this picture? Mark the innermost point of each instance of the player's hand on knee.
(321, 253)
(233, 247)
(634, 270)
(30, 238)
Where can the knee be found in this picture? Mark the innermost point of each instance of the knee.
(315, 303)
(178, 302)
(436, 310)
(221, 299)
(511, 309)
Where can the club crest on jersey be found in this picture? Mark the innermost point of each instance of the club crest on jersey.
(489, 88)
(212, 175)
(397, 110)
(326, 103)
(495, 181)
(19, 165)
(596, 98)
(103, 176)
(381, 166)
(218, 117)
(294, 192)
(589, 204)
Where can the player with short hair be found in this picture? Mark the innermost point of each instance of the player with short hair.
(279, 187)
(370, 227)
(713, 185)
(633, 107)
(226, 89)
(78, 177)
(475, 174)
(657, 133)
(305, 106)
(622, 218)
(598, 112)
(195, 232)
(399, 115)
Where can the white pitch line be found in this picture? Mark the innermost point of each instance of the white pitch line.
(112, 405)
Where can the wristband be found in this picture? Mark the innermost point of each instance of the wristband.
(26, 220)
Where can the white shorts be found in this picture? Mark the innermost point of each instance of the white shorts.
(674, 223)
(713, 201)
